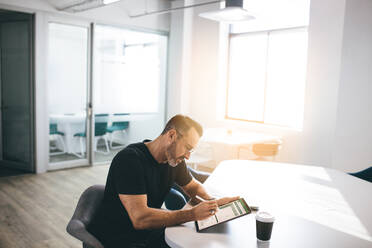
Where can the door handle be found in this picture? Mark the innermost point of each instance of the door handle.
(89, 110)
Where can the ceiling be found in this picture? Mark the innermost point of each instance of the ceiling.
(128, 5)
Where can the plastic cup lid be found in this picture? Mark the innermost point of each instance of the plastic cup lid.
(265, 217)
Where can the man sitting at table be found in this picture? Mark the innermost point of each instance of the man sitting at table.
(138, 181)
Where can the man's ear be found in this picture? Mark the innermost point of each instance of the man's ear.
(172, 135)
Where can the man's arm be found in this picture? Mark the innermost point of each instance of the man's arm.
(194, 188)
(143, 217)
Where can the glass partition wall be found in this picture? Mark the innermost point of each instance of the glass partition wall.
(129, 83)
(126, 94)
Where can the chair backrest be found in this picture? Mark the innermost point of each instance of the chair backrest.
(265, 149)
(121, 114)
(53, 128)
(121, 124)
(177, 197)
(88, 204)
(100, 128)
(101, 117)
(365, 174)
(201, 176)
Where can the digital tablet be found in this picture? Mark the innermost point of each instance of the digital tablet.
(224, 213)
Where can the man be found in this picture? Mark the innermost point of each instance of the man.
(138, 181)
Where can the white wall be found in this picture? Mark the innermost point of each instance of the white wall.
(179, 61)
(194, 51)
(324, 54)
(45, 12)
(336, 106)
(41, 100)
(352, 149)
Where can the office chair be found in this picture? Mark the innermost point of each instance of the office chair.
(177, 198)
(365, 174)
(86, 208)
(116, 127)
(54, 133)
(262, 151)
(100, 130)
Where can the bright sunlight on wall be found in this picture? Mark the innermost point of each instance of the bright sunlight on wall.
(267, 70)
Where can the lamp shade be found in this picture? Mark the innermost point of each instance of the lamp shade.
(110, 1)
(233, 12)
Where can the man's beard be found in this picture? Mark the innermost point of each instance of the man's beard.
(171, 155)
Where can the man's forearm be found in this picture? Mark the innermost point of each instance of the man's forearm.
(200, 191)
(157, 218)
(197, 189)
(203, 193)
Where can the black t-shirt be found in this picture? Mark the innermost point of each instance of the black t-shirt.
(133, 171)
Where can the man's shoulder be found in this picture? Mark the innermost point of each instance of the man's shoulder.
(128, 161)
(132, 151)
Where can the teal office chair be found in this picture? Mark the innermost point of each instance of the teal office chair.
(365, 174)
(58, 136)
(100, 131)
(117, 126)
(177, 198)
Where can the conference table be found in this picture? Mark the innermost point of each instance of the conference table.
(70, 124)
(313, 207)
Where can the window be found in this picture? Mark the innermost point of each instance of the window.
(267, 72)
(130, 70)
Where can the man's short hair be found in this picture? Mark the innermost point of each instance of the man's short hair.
(182, 124)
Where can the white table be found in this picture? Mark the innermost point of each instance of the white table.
(313, 206)
(226, 144)
(70, 124)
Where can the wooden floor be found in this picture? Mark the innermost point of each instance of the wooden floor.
(35, 209)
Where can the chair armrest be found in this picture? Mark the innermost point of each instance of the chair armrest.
(201, 176)
(77, 229)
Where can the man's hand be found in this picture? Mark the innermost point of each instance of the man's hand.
(204, 210)
(225, 200)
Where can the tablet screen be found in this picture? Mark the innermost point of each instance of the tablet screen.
(225, 213)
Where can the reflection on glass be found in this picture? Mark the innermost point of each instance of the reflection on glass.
(67, 91)
(129, 87)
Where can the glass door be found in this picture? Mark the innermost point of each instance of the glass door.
(128, 91)
(67, 80)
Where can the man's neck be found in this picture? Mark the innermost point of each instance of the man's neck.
(157, 150)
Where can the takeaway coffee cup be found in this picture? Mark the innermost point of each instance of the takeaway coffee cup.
(264, 225)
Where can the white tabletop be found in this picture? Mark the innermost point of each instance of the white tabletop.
(313, 207)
